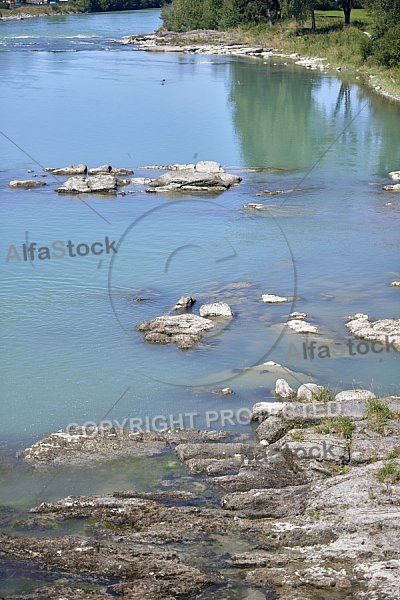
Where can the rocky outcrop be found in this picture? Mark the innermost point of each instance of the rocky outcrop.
(385, 331)
(98, 184)
(69, 171)
(205, 176)
(216, 309)
(83, 444)
(182, 330)
(26, 183)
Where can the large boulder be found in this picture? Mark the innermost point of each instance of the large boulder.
(183, 330)
(68, 171)
(98, 184)
(204, 176)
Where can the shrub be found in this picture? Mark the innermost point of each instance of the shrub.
(387, 47)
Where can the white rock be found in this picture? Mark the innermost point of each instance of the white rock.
(395, 283)
(300, 326)
(392, 188)
(298, 315)
(184, 302)
(354, 395)
(216, 309)
(395, 175)
(141, 180)
(262, 410)
(208, 166)
(272, 299)
(283, 390)
(307, 390)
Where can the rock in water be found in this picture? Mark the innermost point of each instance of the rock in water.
(206, 175)
(184, 302)
(283, 390)
(68, 171)
(217, 309)
(183, 330)
(100, 170)
(27, 183)
(272, 299)
(75, 185)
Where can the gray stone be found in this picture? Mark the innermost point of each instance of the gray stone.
(184, 302)
(395, 175)
(27, 183)
(216, 309)
(75, 185)
(104, 169)
(272, 299)
(383, 331)
(301, 326)
(392, 188)
(283, 390)
(354, 395)
(121, 171)
(186, 179)
(208, 166)
(183, 330)
(103, 184)
(306, 390)
(71, 170)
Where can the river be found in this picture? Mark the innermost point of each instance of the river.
(70, 93)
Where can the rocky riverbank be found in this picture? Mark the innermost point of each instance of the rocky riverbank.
(231, 43)
(309, 510)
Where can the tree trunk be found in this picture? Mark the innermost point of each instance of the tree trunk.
(268, 11)
(346, 4)
(313, 24)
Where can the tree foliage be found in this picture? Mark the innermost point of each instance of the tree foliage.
(110, 5)
(184, 15)
(385, 42)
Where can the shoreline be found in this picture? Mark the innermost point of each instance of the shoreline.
(231, 44)
(283, 503)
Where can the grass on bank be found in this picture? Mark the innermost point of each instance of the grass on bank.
(42, 10)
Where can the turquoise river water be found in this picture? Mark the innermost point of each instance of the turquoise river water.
(70, 94)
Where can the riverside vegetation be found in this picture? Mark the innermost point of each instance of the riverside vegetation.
(366, 40)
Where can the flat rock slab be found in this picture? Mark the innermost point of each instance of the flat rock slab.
(206, 175)
(26, 183)
(272, 299)
(88, 444)
(100, 184)
(216, 309)
(71, 170)
(182, 330)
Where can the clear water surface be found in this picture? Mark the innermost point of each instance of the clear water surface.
(71, 354)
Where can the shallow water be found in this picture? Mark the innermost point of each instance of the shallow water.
(71, 353)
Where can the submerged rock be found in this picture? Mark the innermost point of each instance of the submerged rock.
(183, 330)
(68, 171)
(26, 183)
